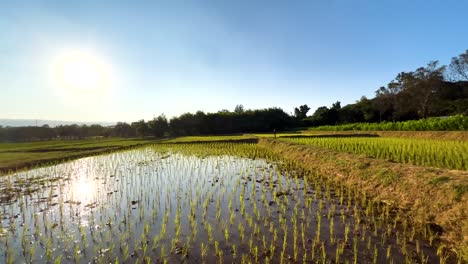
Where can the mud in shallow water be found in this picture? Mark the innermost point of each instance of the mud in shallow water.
(141, 205)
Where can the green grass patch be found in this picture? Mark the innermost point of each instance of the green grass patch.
(363, 165)
(439, 180)
(459, 190)
(387, 177)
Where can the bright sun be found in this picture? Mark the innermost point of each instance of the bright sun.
(80, 72)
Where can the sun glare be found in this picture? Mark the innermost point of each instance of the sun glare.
(80, 72)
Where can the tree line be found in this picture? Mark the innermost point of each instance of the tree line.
(200, 123)
(428, 91)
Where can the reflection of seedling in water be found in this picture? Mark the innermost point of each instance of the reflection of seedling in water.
(241, 231)
(324, 253)
(234, 251)
(203, 251)
(319, 221)
(355, 250)
(210, 232)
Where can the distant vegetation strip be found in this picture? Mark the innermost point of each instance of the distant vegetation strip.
(452, 123)
(15, 156)
(424, 152)
(272, 135)
(439, 135)
(191, 139)
(67, 144)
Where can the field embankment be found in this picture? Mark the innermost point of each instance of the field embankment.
(431, 197)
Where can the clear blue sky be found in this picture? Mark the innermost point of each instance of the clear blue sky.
(181, 56)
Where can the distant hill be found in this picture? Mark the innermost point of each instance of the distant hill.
(51, 123)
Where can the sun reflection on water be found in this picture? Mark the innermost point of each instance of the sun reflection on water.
(83, 188)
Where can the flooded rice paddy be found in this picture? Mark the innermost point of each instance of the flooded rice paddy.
(150, 207)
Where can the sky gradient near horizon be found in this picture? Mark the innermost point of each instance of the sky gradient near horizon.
(176, 56)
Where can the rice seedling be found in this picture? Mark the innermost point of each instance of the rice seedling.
(324, 253)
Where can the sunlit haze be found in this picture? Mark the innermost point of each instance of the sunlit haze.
(127, 60)
(80, 74)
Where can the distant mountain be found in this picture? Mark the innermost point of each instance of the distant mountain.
(51, 123)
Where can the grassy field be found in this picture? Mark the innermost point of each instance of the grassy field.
(22, 155)
(451, 154)
(452, 123)
(438, 135)
(424, 152)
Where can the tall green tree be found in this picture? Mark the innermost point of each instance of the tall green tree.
(428, 81)
(159, 126)
(301, 112)
(239, 109)
(459, 67)
(122, 129)
(141, 128)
